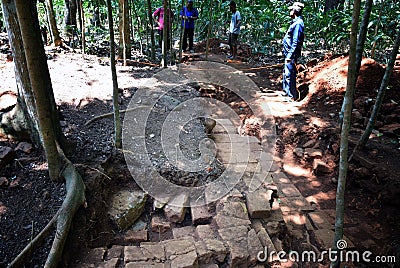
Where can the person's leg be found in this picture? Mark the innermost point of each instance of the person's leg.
(160, 38)
(185, 41)
(191, 35)
(230, 43)
(286, 79)
(234, 45)
(289, 80)
(293, 73)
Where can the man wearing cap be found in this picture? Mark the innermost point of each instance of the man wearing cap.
(188, 15)
(292, 43)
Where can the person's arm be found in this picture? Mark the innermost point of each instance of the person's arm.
(238, 20)
(156, 16)
(195, 14)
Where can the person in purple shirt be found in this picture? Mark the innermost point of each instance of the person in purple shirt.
(292, 43)
(158, 17)
(188, 15)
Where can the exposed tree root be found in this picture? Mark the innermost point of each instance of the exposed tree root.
(74, 199)
(110, 114)
(34, 244)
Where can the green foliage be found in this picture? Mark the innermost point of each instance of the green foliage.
(264, 22)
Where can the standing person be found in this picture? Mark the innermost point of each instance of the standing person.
(188, 15)
(292, 43)
(234, 30)
(158, 17)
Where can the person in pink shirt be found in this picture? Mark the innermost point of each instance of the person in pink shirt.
(158, 17)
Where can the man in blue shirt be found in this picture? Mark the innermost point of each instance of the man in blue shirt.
(292, 43)
(234, 30)
(188, 15)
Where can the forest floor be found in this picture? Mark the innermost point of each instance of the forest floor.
(83, 87)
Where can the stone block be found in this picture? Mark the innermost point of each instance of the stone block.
(134, 254)
(153, 251)
(126, 207)
(112, 263)
(114, 252)
(210, 251)
(233, 209)
(288, 189)
(320, 220)
(186, 260)
(175, 210)
(184, 231)
(234, 233)
(254, 246)
(223, 221)
(175, 247)
(132, 236)
(280, 177)
(258, 203)
(159, 224)
(299, 204)
(205, 232)
(200, 215)
(266, 242)
(149, 264)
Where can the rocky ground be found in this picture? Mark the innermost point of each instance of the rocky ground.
(307, 147)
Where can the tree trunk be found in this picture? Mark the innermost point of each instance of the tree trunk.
(209, 28)
(124, 51)
(18, 122)
(70, 20)
(182, 27)
(362, 35)
(139, 25)
(332, 4)
(381, 94)
(165, 35)
(40, 81)
(348, 103)
(70, 13)
(153, 42)
(82, 19)
(117, 120)
(55, 35)
(376, 30)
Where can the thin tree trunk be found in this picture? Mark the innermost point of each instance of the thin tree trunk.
(381, 94)
(82, 16)
(209, 28)
(40, 80)
(124, 51)
(376, 30)
(152, 39)
(117, 120)
(55, 35)
(19, 119)
(165, 35)
(139, 24)
(362, 35)
(181, 32)
(348, 99)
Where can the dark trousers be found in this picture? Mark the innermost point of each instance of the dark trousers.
(188, 33)
(289, 79)
(161, 37)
